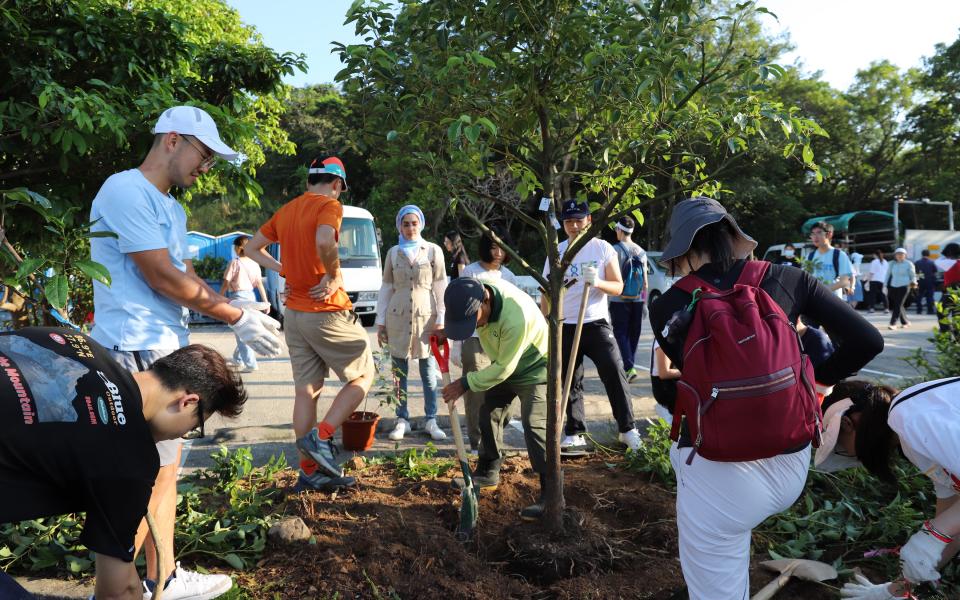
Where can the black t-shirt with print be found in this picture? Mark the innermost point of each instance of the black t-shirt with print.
(73, 437)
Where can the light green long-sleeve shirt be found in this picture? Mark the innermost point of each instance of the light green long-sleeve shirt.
(901, 274)
(514, 339)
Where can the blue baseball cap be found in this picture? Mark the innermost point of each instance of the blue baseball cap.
(574, 210)
(462, 299)
(332, 166)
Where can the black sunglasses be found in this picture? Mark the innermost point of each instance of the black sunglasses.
(197, 432)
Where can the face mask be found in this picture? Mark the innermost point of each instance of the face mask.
(788, 253)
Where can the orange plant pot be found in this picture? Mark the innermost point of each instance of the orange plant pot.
(358, 431)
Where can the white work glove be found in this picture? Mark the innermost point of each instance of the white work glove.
(259, 331)
(456, 353)
(921, 555)
(589, 275)
(865, 590)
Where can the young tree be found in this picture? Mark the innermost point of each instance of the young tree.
(617, 102)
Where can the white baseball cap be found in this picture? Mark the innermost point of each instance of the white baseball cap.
(190, 120)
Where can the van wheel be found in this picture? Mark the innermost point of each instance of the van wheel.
(368, 320)
(654, 295)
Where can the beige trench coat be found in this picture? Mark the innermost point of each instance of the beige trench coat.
(410, 302)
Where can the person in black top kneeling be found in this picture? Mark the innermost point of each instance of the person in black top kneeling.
(719, 503)
(78, 433)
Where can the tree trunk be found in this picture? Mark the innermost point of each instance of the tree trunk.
(553, 482)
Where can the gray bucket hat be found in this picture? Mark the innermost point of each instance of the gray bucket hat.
(689, 217)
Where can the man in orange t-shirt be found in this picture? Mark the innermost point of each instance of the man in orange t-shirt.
(322, 332)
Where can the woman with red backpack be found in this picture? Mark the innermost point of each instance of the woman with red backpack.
(746, 410)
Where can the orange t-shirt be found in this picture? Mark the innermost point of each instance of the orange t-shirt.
(295, 227)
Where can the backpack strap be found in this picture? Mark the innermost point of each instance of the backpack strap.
(753, 273)
(836, 262)
(810, 256)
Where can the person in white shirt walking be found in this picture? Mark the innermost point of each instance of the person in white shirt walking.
(878, 275)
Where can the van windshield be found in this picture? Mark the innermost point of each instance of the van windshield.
(358, 244)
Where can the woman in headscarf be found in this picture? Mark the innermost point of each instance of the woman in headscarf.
(409, 310)
(720, 502)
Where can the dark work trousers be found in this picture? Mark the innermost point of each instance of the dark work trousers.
(925, 293)
(897, 296)
(598, 343)
(495, 413)
(627, 321)
(876, 295)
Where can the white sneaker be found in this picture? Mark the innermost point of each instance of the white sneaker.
(190, 585)
(434, 430)
(574, 441)
(631, 439)
(399, 430)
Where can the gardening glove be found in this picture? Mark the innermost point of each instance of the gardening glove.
(921, 554)
(590, 275)
(456, 353)
(259, 331)
(865, 590)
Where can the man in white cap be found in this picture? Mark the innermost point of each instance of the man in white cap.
(143, 315)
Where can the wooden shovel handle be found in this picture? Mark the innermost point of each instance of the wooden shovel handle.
(574, 348)
(770, 590)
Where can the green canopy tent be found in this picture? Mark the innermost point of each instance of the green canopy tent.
(862, 230)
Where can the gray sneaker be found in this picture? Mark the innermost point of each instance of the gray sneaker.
(322, 483)
(323, 452)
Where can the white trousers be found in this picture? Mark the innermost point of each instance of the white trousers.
(718, 504)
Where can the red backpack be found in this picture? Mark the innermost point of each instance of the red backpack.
(747, 388)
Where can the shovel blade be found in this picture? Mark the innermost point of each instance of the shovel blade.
(809, 570)
(469, 509)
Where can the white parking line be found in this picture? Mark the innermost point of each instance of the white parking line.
(884, 373)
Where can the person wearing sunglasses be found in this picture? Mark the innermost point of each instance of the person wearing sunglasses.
(867, 425)
(78, 433)
(143, 314)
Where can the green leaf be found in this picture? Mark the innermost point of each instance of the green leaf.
(391, 135)
(807, 154)
(56, 291)
(472, 133)
(94, 270)
(28, 266)
(453, 132)
(235, 561)
(483, 60)
(488, 124)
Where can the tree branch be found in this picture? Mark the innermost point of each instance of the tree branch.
(506, 248)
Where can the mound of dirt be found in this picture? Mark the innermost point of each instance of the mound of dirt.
(391, 538)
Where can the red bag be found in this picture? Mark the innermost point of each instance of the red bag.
(747, 388)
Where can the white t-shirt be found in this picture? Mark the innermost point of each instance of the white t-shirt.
(242, 274)
(878, 270)
(129, 314)
(928, 425)
(477, 271)
(597, 253)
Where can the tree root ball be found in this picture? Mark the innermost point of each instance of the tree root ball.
(585, 546)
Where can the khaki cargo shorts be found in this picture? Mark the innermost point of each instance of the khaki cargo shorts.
(319, 341)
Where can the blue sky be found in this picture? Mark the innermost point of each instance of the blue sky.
(837, 37)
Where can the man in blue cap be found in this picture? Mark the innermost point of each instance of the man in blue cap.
(513, 335)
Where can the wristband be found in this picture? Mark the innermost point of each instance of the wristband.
(929, 528)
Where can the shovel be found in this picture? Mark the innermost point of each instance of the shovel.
(468, 496)
(572, 361)
(808, 570)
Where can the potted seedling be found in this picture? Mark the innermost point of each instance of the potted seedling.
(360, 427)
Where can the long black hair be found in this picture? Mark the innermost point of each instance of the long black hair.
(457, 242)
(875, 441)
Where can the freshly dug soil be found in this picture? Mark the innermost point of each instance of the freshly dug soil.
(391, 538)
